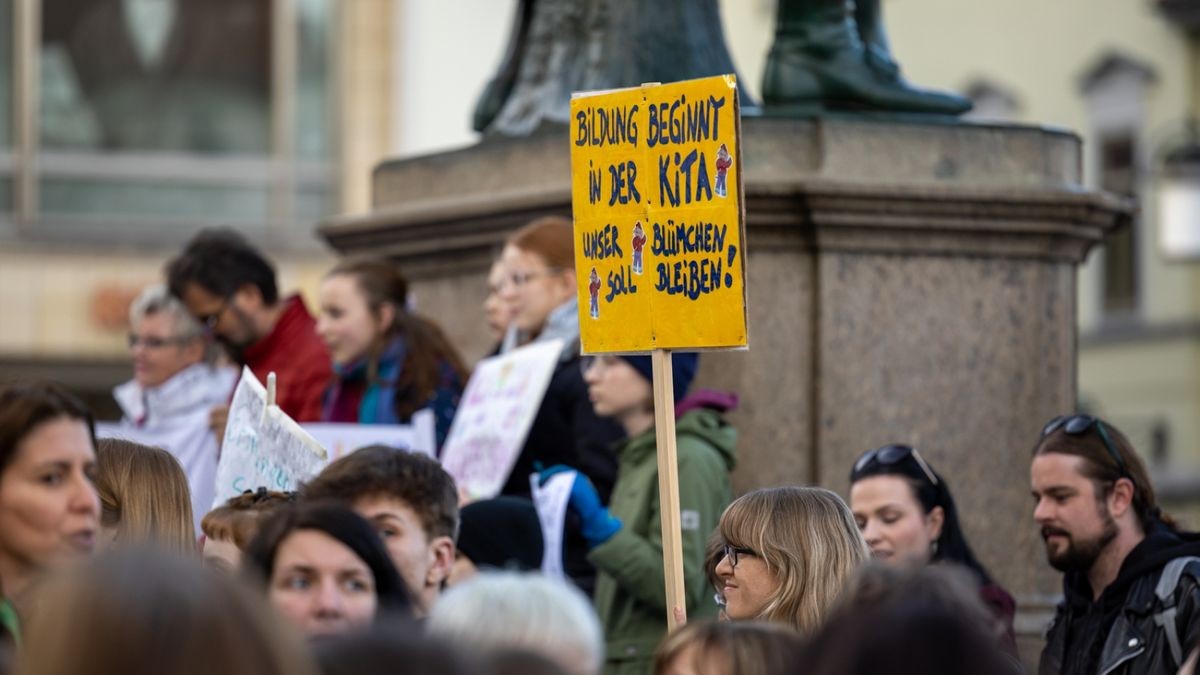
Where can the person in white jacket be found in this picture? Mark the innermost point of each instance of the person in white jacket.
(175, 387)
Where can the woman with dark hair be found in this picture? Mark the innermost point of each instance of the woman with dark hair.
(326, 569)
(907, 515)
(388, 362)
(49, 509)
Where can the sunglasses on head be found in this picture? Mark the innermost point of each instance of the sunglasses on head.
(1077, 425)
(894, 454)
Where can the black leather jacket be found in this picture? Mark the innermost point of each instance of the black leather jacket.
(1133, 644)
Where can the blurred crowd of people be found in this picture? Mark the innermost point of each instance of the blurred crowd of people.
(113, 559)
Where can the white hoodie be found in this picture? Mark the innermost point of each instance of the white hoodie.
(174, 416)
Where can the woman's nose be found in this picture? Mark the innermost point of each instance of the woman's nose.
(724, 567)
(328, 599)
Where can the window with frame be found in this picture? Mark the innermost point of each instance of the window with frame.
(1118, 174)
(1115, 91)
(156, 117)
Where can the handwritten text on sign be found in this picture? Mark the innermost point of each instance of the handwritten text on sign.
(655, 190)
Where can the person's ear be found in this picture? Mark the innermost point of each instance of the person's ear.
(569, 283)
(935, 520)
(1120, 498)
(441, 549)
(385, 318)
(193, 350)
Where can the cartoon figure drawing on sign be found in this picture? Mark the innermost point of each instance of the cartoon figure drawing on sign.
(594, 291)
(724, 161)
(639, 241)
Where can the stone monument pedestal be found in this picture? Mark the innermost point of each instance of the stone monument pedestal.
(908, 282)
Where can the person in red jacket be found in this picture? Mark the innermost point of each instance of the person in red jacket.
(230, 288)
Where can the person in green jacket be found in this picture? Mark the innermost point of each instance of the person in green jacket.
(626, 538)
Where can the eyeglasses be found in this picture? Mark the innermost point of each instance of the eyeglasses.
(1077, 425)
(519, 279)
(732, 553)
(151, 342)
(894, 454)
(209, 321)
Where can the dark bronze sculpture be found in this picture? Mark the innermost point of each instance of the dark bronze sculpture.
(828, 54)
(834, 54)
(561, 46)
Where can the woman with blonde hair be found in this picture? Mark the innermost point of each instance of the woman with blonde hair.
(144, 497)
(789, 552)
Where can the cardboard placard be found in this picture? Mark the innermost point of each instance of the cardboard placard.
(340, 439)
(263, 447)
(656, 196)
(494, 415)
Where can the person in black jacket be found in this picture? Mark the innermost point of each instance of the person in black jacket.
(540, 287)
(1131, 602)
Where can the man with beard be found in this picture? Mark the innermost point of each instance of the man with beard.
(1131, 600)
(230, 288)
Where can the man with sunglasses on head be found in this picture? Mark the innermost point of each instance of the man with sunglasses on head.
(230, 288)
(174, 386)
(1131, 601)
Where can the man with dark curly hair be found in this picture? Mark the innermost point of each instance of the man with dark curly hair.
(411, 501)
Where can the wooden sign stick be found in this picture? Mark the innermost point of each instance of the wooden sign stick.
(270, 396)
(668, 485)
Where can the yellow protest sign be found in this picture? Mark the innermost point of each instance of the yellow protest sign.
(656, 194)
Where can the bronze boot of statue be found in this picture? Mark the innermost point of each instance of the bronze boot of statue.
(831, 55)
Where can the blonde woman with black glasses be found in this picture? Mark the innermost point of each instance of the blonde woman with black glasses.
(789, 552)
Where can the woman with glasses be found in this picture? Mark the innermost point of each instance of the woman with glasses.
(789, 553)
(178, 397)
(540, 288)
(388, 362)
(907, 516)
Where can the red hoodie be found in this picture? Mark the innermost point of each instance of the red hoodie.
(299, 359)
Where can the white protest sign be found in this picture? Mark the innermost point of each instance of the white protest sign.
(341, 439)
(494, 417)
(550, 500)
(263, 447)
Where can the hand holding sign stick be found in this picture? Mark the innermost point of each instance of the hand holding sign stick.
(270, 395)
